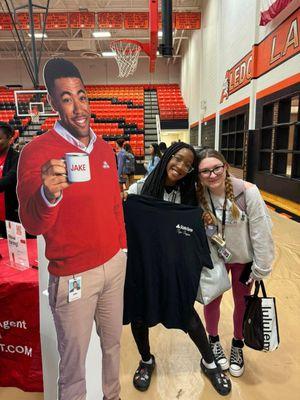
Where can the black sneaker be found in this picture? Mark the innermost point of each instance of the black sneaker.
(237, 366)
(142, 376)
(219, 354)
(218, 379)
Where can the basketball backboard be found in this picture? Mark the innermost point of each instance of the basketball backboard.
(29, 101)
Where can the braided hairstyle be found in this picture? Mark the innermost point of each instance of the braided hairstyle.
(208, 215)
(155, 183)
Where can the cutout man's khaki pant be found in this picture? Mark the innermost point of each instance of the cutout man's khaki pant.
(101, 300)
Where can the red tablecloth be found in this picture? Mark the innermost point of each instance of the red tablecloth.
(20, 349)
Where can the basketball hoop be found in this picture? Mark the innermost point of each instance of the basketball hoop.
(127, 55)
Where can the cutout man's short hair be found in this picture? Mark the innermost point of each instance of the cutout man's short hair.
(56, 68)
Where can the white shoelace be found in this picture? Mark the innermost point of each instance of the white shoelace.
(236, 356)
(218, 351)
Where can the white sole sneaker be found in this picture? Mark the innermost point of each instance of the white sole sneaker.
(224, 364)
(236, 372)
(219, 355)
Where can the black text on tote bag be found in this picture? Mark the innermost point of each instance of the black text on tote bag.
(260, 325)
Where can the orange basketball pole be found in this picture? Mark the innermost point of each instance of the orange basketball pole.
(149, 48)
(153, 25)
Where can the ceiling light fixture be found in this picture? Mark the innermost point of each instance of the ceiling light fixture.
(101, 34)
(108, 54)
(38, 35)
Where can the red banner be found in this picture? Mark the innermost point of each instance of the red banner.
(188, 20)
(136, 20)
(281, 44)
(5, 22)
(238, 76)
(85, 20)
(107, 20)
(57, 21)
(270, 10)
(22, 21)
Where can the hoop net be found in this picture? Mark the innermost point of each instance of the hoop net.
(126, 55)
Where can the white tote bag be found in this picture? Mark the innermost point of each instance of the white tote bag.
(213, 282)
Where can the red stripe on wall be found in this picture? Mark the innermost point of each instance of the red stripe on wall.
(209, 117)
(292, 80)
(235, 105)
(194, 124)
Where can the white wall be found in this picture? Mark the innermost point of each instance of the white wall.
(184, 77)
(237, 35)
(173, 135)
(210, 49)
(236, 30)
(190, 75)
(97, 72)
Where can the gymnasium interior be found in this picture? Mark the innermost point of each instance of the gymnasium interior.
(215, 73)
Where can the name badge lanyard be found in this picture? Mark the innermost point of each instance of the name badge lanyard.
(223, 214)
(172, 195)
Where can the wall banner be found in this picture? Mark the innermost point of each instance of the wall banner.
(276, 48)
(100, 20)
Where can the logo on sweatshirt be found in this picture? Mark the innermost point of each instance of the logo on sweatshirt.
(184, 230)
(105, 165)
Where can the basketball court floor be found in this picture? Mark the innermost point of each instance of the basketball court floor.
(268, 376)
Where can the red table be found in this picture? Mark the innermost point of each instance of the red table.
(20, 348)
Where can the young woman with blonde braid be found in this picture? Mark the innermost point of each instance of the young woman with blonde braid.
(237, 213)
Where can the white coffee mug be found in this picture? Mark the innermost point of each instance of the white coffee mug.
(78, 167)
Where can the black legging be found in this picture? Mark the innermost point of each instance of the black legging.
(195, 329)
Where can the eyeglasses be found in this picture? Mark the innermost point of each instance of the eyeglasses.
(218, 170)
(186, 167)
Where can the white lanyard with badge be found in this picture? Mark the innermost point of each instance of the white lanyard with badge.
(217, 238)
(74, 288)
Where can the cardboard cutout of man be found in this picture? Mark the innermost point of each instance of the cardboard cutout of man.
(82, 224)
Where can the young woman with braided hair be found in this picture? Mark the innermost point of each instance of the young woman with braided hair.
(174, 180)
(236, 211)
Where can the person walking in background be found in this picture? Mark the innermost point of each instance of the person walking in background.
(155, 155)
(129, 165)
(121, 153)
(83, 227)
(237, 212)
(162, 147)
(152, 295)
(8, 178)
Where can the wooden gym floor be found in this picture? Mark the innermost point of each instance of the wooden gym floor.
(273, 376)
